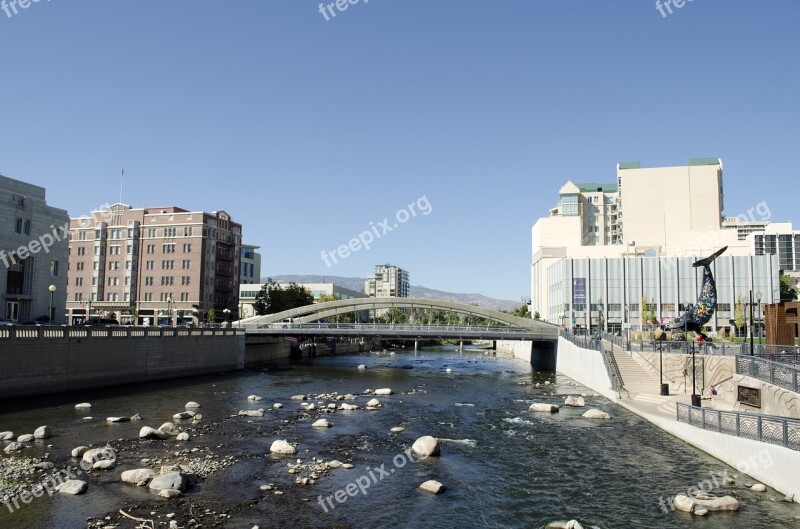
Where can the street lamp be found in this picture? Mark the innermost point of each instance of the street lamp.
(752, 328)
(169, 310)
(758, 298)
(227, 313)
(52, 289)
(695, 396)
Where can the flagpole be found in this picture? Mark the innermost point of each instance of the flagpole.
(121, 184)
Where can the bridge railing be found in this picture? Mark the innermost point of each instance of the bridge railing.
(775, 373)
(781, 431)
(44, 332)
(395, 327)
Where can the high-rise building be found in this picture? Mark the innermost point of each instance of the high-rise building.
(159, 265)
(389, 281)
(250, 261)
(660, 212)
(33, 253)
(779, 239)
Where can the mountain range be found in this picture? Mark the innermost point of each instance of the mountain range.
(415, 291)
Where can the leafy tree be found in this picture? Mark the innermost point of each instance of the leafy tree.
(211, 316)
(645, 312)
(273, 298)
(523, 311)
(536, 315)
(134, 310)
(738, 314)
(395, 315)
(788, 292)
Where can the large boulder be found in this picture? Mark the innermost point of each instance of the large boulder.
(151, 433)
(83, 406)
(426, 446)
(139, 476)
(282, 447)
(596, 414)
(6, 436)
(25, 438)
(169, 429)
(577, 402)
(383, 391)
(171, 481)
(105, 464)
(42, 432)
(192, 405)
(79, 451)
(724, 503)
(118, 419)
(373, 403)
(432, 486)
(322, 423)
(184, 415)
(542, 407)
(13, 447)
(73, 487)
(183, 436)
(95, 455)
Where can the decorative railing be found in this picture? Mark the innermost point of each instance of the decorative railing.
(780, 431)
(44, 332)
(776, 373)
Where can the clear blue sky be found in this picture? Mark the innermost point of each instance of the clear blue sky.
(307, 130)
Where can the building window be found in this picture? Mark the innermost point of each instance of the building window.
(79, 266)
(185, 280)
(169, 248)
(82, 235)
(169, 232)
(187, 248)
(148, 281)
(54, 268)
(150, 265)
(78, 281)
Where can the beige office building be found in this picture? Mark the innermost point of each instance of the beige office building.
(157, 265)
(388, 281)
(646, 212)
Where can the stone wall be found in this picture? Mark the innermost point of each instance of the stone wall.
(43, 363)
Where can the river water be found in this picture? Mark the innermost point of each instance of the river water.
(503, 466)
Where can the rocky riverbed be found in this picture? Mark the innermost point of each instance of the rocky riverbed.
(401, 442)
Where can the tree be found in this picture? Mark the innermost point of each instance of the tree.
(788, 292)
(645, 312)
(134, 315)
(211, 316)
(536, 315)
(273, 298)
(395, 315)
(523, 311)
(738, 314)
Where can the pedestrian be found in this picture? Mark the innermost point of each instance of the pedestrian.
(713, 395)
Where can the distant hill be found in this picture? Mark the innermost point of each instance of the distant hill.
(357, 284)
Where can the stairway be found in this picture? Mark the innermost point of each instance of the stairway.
(634, 379)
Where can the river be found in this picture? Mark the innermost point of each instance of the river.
(502, 465)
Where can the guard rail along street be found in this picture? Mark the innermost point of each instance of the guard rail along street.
(780, 431)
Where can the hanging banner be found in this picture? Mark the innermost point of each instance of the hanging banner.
(578, 290)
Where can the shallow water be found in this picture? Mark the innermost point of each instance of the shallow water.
(502, 465)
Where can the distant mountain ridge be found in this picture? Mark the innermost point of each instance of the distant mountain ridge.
(357, 284)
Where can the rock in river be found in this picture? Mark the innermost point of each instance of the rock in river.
(25, 438)
(578, 402)
(151, 433)
(383, 391)
(171, 481)
(169, 429)
(432, 486)
(73, 486)
(139, 476)
(42, 432)
(426, 446)
(322, 423)
(191, 405)
(596, 414)
(546, 408)
(282, 447)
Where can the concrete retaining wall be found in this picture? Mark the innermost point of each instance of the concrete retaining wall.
(39, 364)
(584, 366)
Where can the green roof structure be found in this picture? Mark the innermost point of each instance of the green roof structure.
(593, 188)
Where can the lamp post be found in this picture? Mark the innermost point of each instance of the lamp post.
(169, 310)
(52, 289)
(227, 313)
(695, 396)
(752, 328)
(758, 298)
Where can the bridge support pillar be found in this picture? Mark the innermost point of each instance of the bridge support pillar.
(543, 356)
(461, 346)
(416, 345)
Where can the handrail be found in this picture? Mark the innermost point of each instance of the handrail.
(775, 373)
(48, 332)
(780, 431)
(612, 369)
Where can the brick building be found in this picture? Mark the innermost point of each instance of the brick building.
(159, 265)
